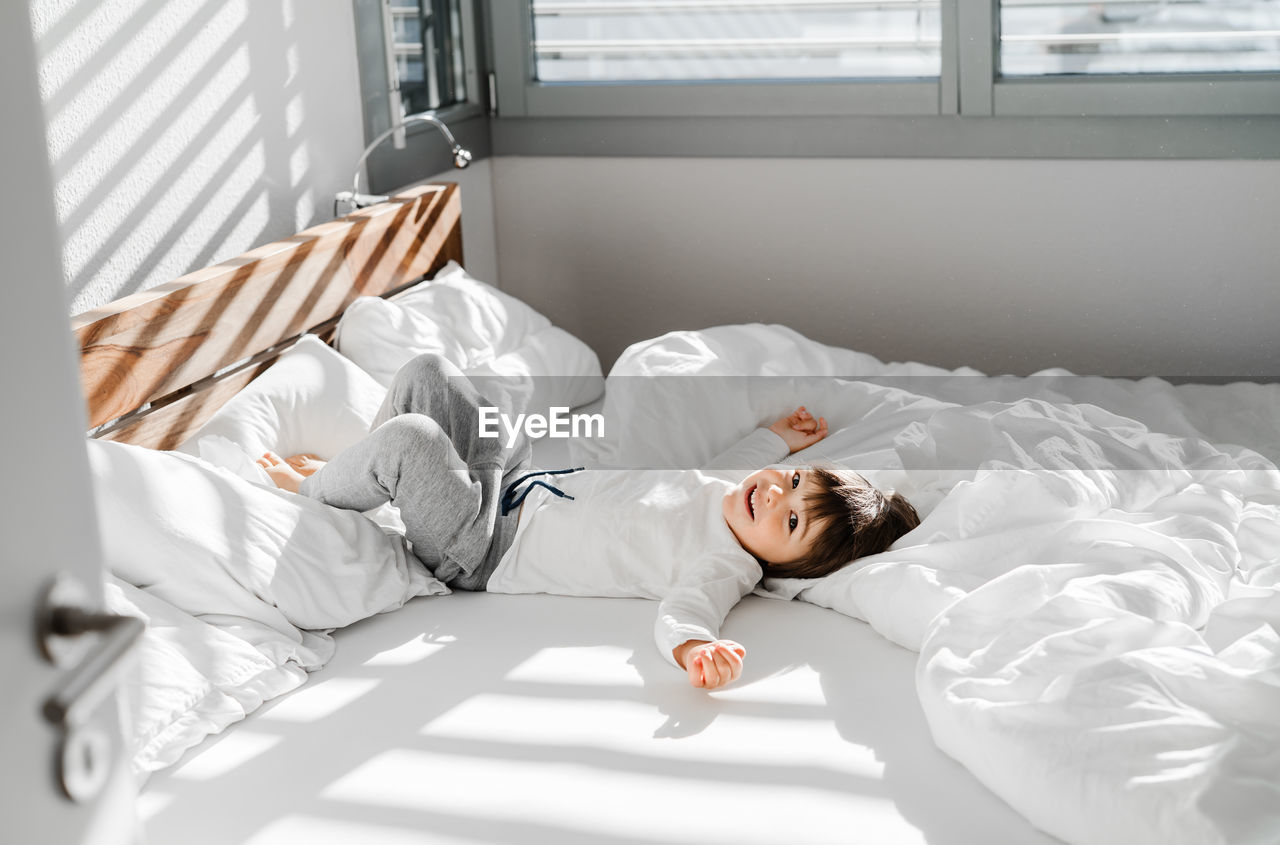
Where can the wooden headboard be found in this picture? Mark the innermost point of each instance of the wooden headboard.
(156, 365)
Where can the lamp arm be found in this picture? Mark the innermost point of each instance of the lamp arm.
(461, 157)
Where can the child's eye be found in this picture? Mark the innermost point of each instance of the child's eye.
(793, 522)
(795, 479)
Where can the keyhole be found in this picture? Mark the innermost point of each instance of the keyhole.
(85, 751)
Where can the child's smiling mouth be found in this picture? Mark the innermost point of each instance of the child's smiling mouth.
(750, 501)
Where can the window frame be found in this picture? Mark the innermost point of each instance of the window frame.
(424, 152)
(1204, 116)
(1204, 95)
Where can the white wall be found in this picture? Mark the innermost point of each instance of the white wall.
(1114, 267)
(479, 238)
(184, 132)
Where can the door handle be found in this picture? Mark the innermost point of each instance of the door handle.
(65, 627)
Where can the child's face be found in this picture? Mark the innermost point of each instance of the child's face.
(767, 514)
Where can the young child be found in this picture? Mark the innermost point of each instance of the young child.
(695, 540)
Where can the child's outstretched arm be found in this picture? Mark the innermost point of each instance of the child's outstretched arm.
(710, 664)
(799, 429)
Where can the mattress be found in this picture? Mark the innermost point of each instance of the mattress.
(478, 717)
(1085, 619)
(530, 719)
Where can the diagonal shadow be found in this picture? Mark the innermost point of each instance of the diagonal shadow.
(143, 208)
(51, 42)
(214, 240)
(275, 143)
(267, 82)
(103, 55)
(476, 658)
(150, 134)
(119, 42)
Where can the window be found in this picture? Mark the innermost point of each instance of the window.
(1138, 58)
(889, 60)
(417, 56)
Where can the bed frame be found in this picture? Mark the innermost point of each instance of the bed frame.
(156, 365)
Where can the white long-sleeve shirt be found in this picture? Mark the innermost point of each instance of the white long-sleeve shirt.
(657, 534)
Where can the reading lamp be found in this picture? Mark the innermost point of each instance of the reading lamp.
(355, 199)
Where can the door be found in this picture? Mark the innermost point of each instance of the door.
(47, 521)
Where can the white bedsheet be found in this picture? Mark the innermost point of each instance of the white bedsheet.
(546, 720)
(1093, 593)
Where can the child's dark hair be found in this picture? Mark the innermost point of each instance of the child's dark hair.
(854, 519)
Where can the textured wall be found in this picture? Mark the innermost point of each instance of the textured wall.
(184, 132)
(1115, 267)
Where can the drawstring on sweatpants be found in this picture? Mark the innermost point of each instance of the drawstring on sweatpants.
(510, 501)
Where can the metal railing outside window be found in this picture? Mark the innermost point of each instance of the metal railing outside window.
(718, 40)
(426, 47)
(1063, 37)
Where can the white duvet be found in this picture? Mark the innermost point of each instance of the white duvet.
(239, 585)
(1093, 590)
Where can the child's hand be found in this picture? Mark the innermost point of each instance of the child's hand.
(800, 429)
(714, 664)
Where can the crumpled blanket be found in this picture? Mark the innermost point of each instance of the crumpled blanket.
(1094, 591)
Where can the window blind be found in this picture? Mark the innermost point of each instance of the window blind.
(705, 40)
(1053, 37)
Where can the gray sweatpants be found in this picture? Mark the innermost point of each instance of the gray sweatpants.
(423, 455)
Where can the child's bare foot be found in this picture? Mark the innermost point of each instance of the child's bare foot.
(305, 464)
(281, 473)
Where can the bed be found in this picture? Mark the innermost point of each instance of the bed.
(1080, 641)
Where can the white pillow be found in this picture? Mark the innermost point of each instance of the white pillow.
(270, 570)
(460, 317)
(729, 379)
(508, 348)
(311, 400)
